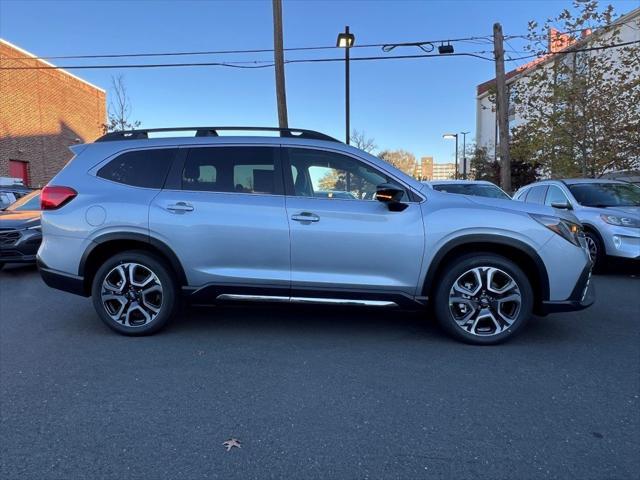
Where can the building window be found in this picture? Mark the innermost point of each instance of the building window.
(19, 169)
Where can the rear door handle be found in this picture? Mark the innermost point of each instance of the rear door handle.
(305, 217)
(180, 207)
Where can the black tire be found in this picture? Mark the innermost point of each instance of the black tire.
(596, 250)
(454, 270)
(169, 292)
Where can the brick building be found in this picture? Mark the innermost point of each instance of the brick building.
(42, 112)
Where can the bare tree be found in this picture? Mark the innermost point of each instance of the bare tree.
(400, 159)
(119, 107)
(360, 140)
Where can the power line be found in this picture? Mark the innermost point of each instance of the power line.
(577, 50)
(256, 50)
(248, 64)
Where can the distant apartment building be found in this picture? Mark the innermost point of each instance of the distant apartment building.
(487, 136)
(42, 113)
(430, 170)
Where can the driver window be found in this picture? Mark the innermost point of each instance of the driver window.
(322, 174)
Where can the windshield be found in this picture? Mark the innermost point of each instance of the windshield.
(31, 201)
(606, 194)
(479, 190)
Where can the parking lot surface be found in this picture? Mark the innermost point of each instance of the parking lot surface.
(315, 393)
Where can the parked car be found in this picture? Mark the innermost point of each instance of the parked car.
(630, 176)
(10, 193)
(480, 188)
(20, 234)
(138, 223)
(609, 211)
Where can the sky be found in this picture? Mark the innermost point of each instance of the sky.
(406, 104)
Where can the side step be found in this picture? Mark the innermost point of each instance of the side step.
(310, 300)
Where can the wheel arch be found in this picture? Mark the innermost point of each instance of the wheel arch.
(519, 252)
(110, 244)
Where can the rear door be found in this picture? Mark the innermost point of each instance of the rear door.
(342, 239)
(223, 213)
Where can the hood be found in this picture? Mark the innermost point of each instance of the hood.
(633, 211)
(504, 204)
(22, 219)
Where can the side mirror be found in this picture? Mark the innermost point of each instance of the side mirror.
(392, 196)
(562, 205)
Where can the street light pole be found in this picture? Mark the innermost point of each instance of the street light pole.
(450, 136)
(464, 154)
(346, 41)
(347, 112)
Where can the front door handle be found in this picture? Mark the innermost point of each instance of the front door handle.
(305, 217)
(180, 207)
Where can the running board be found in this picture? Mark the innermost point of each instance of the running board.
(315, 300)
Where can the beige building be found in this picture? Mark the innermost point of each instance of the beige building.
(429, 170)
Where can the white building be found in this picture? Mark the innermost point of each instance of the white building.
(486, 126)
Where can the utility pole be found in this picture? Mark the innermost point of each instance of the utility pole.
(502, 110)
(278, 54)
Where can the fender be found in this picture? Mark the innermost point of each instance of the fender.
(164, 249)
(543, 276)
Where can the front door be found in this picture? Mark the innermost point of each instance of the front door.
(224, 216)
(341, 237)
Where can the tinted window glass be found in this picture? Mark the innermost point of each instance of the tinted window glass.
(231, 169)
(555, 195)
(321, 174)
(606, 194)
(142, 168)
(536, 194)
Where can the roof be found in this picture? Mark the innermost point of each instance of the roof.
(559, 42)
(44, 62)
(458, 182)
(573, 181)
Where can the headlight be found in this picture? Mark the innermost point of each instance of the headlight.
(568, 230)
(620, 221)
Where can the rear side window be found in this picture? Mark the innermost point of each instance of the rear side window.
(140, 168)
(232, 169)
(536, 194)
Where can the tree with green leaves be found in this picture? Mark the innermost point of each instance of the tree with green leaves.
(580, 109)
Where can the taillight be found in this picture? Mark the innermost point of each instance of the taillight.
(53, 197)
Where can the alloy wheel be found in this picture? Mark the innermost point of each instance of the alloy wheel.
(593, 247)
(485, 301)
(131, 294)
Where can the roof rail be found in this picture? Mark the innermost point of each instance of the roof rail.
(213, 132)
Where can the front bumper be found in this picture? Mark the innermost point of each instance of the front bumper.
(19, 246)
(622, 242)
(582, 296)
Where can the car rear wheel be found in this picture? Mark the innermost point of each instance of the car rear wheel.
(134, 293)
(483, 299)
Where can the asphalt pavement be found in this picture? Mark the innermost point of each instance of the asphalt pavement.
(315, 393)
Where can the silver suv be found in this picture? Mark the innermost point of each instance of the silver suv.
(609, 211)
(139, 223)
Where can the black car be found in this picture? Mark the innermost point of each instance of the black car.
(20, 234)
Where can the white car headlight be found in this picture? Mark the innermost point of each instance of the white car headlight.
(621, 221)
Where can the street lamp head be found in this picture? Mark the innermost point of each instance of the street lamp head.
(450, 136)
(346, 39)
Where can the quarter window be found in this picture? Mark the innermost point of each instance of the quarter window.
(321, 174)
(231, 169)
(140, 168)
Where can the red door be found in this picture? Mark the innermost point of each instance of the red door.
(18, 169)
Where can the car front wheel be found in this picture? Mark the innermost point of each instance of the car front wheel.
(134, 293)
(483, 299)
